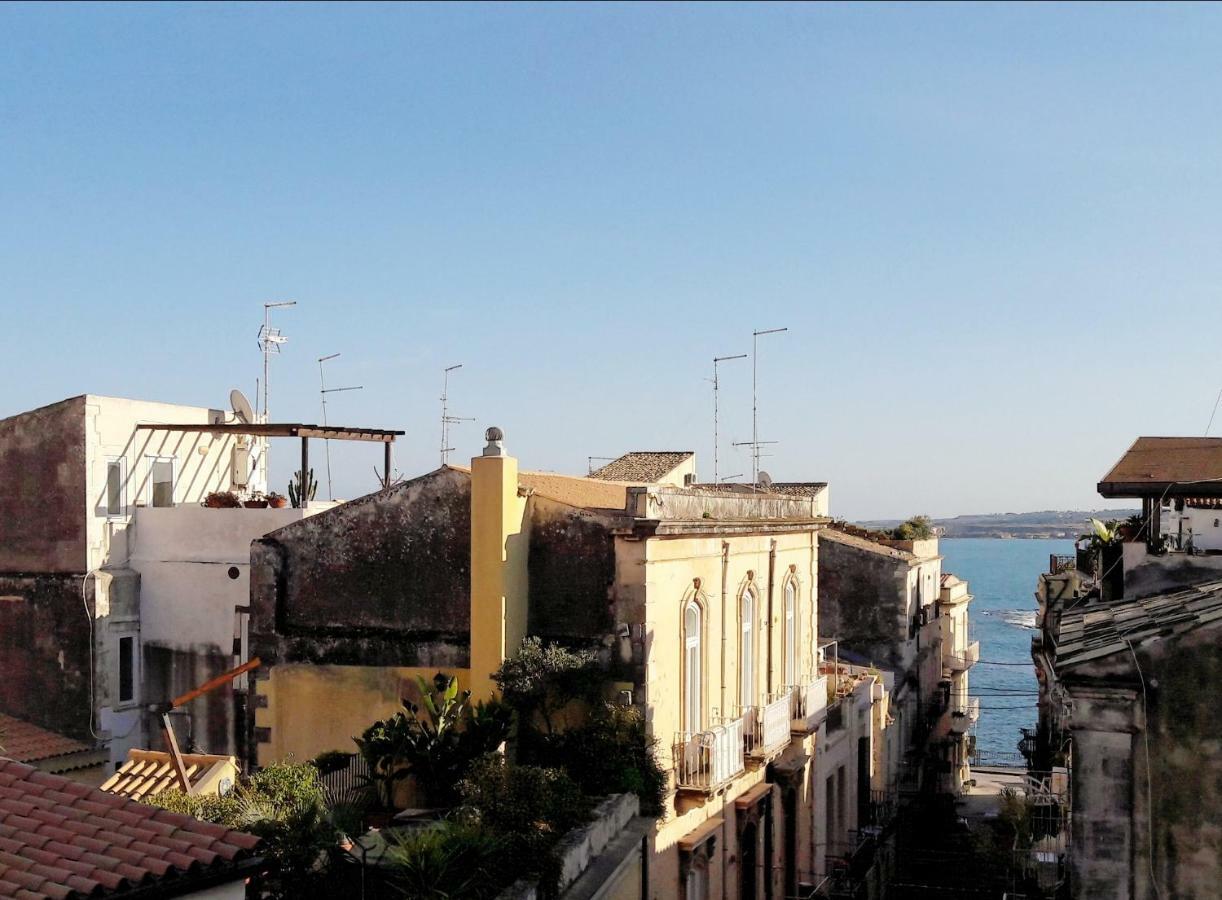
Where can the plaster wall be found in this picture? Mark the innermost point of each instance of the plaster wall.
(308, 709)
(202, 464)
(1147, 573)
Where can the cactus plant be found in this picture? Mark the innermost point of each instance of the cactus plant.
(298, 497)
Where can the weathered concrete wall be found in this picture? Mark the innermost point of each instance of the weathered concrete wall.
(572, 573)
(44, 651)
(1146, 573)
(380, 581)
(864, 601)
(42, 490)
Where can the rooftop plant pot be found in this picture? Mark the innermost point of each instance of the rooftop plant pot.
(255, 504)
(278, 502)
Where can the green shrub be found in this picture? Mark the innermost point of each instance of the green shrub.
(918, 528)
(538, 682)
(613, 754)
(448, 860)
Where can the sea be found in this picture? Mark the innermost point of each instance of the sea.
(1002, 576)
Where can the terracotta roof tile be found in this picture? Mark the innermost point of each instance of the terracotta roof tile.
(61, 840)
(643, 466)
(1157, 464)
(27, 743)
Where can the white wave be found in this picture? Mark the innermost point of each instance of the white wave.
(1019, 618)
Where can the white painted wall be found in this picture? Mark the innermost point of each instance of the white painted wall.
(202, 464)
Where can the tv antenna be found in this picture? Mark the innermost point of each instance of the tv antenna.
(270, 341)
(590, 462)
(716, 360)
(322, 392)
(241, 407)
(755, 436)
(446, 419)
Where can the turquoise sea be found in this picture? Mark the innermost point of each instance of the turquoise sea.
(1001, 576)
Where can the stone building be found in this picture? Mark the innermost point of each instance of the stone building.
(117, 588)
(700, 601)
(1128, 636)
(889, 604)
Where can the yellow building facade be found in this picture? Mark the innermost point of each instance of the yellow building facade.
(701, 600)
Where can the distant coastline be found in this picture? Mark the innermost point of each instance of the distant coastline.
(1044, 524)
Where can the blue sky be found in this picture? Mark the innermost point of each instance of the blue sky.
(991, 231)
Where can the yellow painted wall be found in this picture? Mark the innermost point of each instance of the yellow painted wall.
(311, 709)
(499, 550)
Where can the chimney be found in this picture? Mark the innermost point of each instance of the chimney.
(498, 563)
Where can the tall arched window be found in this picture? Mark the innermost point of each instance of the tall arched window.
(746, 649)
(692, 682)
(791, 632)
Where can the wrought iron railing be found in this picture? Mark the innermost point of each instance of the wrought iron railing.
(766, 728)
(809, 704)
(706, 760)
(1060, 562)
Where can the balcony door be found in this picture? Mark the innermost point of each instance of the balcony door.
(746, 650)
(693, 688)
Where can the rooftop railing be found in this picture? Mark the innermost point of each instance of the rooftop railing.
(707, 760)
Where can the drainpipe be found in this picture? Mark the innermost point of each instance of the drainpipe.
(725, 568)
(771, 574)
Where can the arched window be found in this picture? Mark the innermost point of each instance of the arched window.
(791, 632)
(746, 649)
(693, 714)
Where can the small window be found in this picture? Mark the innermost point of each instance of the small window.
(161, 482)
(116, 487)
(127, 669)
(746, 651)
(791, 632)
(693, 710)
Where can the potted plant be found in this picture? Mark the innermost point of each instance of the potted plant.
(256, 501)
(277, 501)
(222, 500)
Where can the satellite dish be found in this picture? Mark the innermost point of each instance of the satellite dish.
(765, 481)
(241, 406)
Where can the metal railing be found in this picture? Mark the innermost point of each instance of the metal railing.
(766, 727)
(1059, 562)
(706, 760)
(809, 704)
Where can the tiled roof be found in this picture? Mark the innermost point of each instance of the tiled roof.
(867, 545)
(1092, 632)
(1153, 464)
(147, 773)
(51, 752)
(643, 466)
(62, 840)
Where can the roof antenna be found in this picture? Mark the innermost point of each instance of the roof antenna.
(755, 436)
(446, 419)
(716, 360)
(322, 392)
(270, 341)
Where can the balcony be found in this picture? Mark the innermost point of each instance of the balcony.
(707, 760)
(965, 715)
(809, 705)
(767, 727)
(964, 661)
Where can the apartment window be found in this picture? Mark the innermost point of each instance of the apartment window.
(161, 482)
(127, 669)
(791, 632)
(116, 487)
(746, 650)
(696, 885)
(692, 686)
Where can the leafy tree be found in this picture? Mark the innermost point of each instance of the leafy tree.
(539, 682)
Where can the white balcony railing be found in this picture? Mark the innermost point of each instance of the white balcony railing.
(961, 662)
(706, 760)
(964, 715)
(767, 727)
(809, 705)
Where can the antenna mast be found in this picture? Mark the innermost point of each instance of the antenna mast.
(716, 360)
(446, 419)
(755, 436)
(322, 392)
(270, 341)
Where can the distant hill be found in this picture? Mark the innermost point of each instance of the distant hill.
(1048, 523)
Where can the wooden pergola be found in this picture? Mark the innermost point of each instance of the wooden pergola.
(294, 430)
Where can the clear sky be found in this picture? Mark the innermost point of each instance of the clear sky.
(993, 232)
